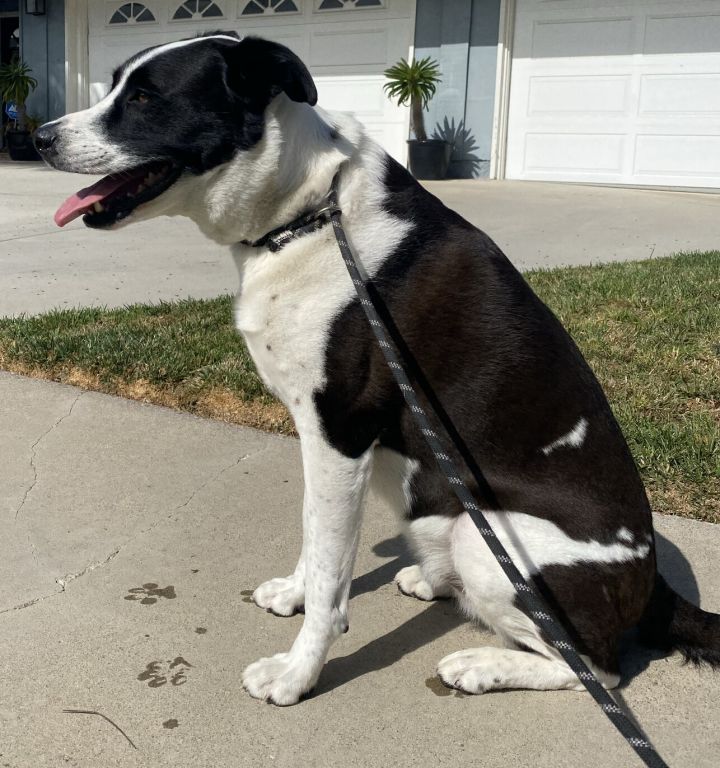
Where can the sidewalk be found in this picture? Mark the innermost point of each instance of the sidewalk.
(131, 537)
(537, 225)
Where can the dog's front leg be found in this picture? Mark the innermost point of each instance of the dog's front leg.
(335, 488)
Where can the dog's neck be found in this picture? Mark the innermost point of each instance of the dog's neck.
(288, 173)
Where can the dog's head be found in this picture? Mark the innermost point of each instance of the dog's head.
(175, 110)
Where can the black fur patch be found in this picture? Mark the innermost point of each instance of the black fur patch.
(500, 366)
(598, 602)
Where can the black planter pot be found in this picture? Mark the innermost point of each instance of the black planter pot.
(20, 146)
(429, 159)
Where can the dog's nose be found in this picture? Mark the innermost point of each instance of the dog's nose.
(44, 138)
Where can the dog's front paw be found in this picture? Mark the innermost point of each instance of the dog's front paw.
(283, 597)
(280, 680)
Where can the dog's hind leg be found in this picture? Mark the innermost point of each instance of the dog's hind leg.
(478, 670)
(393, 480)
(335, 486)
(433, 577)
(285, 596)
(528, 660)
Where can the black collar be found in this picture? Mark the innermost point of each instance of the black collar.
(312, 221)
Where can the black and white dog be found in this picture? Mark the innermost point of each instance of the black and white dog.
(224, 130)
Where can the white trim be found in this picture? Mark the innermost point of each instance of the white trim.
(411, 56)
(506, 32)
(77, 66)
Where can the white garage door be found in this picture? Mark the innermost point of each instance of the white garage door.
(346, 44)
(616, 92)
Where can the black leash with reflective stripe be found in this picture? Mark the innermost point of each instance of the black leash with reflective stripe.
(533, 603)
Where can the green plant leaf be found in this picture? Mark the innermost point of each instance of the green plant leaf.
(413, 84)
(16, 82)
(416, 80)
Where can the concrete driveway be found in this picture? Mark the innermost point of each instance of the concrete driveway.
(537, 224)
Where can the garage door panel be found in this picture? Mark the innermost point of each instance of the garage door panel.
(567, 153)
(295, 38)
(678, 156)
(593, 95)
(588, 37)
(643, 108)
(114, 51)
(672, 94)
(330, 47)
(681, 33)
(335, 91)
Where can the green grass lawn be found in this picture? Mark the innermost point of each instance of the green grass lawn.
(650, 330)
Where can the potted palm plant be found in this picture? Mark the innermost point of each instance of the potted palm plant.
(415, 84)
(16, 84)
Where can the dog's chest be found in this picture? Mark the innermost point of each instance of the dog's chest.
(284, 310)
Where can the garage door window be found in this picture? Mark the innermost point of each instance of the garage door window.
(197, 9)
(347, 5)
(132, 13)
(257, 7)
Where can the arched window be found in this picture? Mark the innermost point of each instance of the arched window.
(256, 7)
(348, 5)
(197, 9)
(132, 13)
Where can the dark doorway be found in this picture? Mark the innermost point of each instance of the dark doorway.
(9, 38)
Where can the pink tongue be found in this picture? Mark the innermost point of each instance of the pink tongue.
(81, 202)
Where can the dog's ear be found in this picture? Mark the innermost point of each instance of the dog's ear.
(261, 67)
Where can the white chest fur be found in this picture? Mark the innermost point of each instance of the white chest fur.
(285, 309)
(288, 300)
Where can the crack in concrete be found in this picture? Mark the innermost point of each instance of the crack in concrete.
(28, 603)
(169, 515)
(33, 455)
(213, 480)
(63, 581)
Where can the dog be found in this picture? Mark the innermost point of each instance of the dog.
(225, 131)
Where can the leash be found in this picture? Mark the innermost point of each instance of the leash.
(534, 604)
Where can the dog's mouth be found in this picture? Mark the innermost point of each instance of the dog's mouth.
(116, 196)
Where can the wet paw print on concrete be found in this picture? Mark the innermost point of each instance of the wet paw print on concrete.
(173, 671)
(149, 593)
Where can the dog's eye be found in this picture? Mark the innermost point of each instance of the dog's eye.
(141, 97)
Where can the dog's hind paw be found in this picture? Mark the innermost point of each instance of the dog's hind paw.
(469, 671)
(278, 680)
(412, 583)
(281, 596)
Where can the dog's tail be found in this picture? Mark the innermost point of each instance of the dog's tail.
(671, 623)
